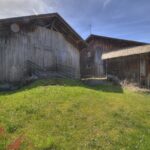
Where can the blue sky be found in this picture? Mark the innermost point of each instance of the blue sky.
(127, 19)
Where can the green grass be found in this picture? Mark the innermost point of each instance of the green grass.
(67, 115)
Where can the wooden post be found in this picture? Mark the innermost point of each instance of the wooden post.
(106, 65)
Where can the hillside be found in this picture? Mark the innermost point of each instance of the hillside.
(68, 115)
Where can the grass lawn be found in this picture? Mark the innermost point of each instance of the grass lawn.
(67, 115)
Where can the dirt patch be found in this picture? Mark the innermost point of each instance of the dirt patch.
(2, 131)
(16, 144)
(135, 88)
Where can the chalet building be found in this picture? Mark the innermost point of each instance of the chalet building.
(127, 60)
(38, 43)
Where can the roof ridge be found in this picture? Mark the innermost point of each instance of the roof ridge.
(113, 38)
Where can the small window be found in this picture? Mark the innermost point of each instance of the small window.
(89, 54)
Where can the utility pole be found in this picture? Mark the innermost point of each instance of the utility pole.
(90, 28)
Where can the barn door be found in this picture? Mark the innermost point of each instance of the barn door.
(99, 71)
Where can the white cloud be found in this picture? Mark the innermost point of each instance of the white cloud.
(11, 8)
(106, 3)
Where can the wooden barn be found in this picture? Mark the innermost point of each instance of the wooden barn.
(36, 44)
(130, 64)
(127, 60)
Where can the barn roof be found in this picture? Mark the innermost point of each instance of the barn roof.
(48, 20)
(126, 52)
(98, 37)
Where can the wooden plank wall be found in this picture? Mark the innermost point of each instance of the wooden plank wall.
(133, 69)
(44, 47)
(126, 68)
(97, 46)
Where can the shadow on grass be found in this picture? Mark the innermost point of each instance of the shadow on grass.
(67, 83)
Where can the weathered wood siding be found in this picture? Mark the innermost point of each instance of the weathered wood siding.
(91, 62)
(42, 46)
(126, 68)
(132, 69)
(94, 66)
